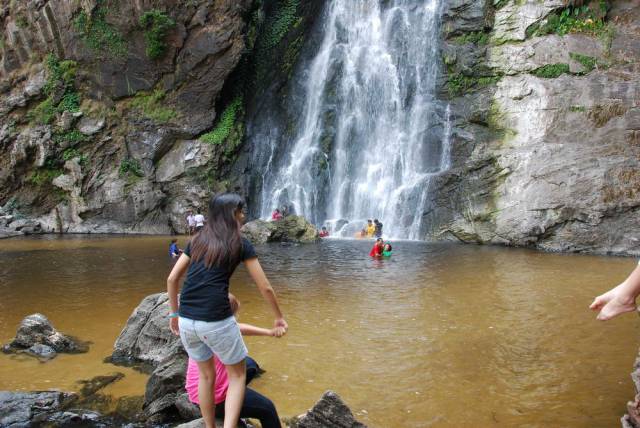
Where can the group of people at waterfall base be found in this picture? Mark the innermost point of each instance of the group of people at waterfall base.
(204, 315)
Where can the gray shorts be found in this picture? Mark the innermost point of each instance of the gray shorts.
(203, 339)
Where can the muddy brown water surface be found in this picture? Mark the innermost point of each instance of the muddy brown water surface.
(438, 335)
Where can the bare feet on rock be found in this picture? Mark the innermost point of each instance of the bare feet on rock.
(613, 303)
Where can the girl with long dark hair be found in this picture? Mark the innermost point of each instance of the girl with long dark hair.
(204, 319)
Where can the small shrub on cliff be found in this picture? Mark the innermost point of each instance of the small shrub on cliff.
(44, 176)
(572, 19)
(551, 71)
(130, 166)
(150, 104)
(225, 124)
(60, 79)
(476, 37)
(72, 137)
(100, 36)
(156, 25)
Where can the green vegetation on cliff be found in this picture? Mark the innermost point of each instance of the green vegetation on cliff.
(150, 105)
(458, 83)
(99, 35)
(572, 19)
(129, 167)
(476, 37)
(60, 86)
(229, 129)
(551, 71)
(156, 25)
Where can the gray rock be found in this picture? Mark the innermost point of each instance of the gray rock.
(89, 126)
(258, 231)
(329, 411)
(35, 84)
(146, 337)
(187, 410)
(65, 122)
(290, 229)
(19, 409)
(36, 329)
(167, 379)
(42, 351)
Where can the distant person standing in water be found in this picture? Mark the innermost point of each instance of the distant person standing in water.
(174, 251)
(324, 232)
(191, 223)
(199, 219)
(377, 249)
(620, 299)
(387, 251)
(378, 230)
(371, 229)
(204, 318)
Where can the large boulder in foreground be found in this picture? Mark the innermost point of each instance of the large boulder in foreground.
(329, 411)
(37, 336)
(290, 229)
(146, 337)
(147, 340)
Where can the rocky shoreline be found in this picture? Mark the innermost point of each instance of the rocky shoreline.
(146, 344)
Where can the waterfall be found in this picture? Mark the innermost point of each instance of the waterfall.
(370, 134)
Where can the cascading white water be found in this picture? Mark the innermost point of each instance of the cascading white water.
(370, 134)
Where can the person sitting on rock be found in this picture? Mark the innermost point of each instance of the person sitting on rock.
(324, 232)
(276, 215)
(255, 405)
(377, 249)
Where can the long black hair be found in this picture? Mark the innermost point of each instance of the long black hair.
(219, 243)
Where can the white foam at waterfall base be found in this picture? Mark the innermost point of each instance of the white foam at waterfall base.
(375, 74)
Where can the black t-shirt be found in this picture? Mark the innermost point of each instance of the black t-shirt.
(205, 293)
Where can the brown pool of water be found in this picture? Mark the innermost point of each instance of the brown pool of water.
(436, 336)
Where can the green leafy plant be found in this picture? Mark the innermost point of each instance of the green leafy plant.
(458, 84)
(587, 62)
(72, 137)
(61, 77)
(150, 104)
(44, 175)
(551, 71)
(156, 25)
(225, 125)
(476, 37)
(100, 36)
(130, 166)
(572, 19)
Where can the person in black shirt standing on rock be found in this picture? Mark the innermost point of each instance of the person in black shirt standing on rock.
(204, 319)
(378, 225)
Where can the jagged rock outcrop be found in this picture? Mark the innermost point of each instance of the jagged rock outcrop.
(329, 411)
(128, 92)
(545, 128)
(290, 229)
(146, 337)
(37, 336)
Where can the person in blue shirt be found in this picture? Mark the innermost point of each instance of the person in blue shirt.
(174, 251)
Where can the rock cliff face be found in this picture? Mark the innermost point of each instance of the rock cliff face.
(118, 116)
(544, 100)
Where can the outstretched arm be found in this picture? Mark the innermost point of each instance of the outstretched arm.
(258, 276)
(173, 286)
(620, 299)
